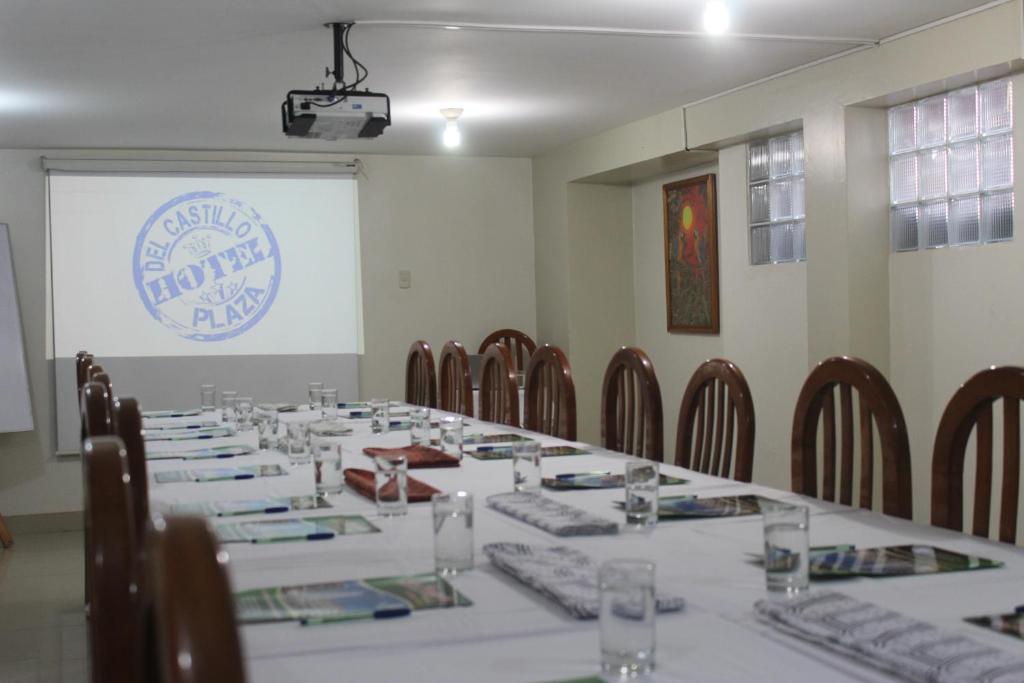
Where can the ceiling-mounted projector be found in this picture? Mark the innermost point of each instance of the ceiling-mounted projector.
(341, 112)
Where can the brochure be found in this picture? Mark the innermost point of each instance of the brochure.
(505, 452)
(476, 439)
(259, 506)
(219, 474)
(187, 412)
(598, 480)
(691, 507)
(900, 560)
(202, 453)
(305, 529)
(1010, 624)
(184, 434)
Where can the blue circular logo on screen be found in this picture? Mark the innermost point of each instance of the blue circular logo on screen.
(206, 266)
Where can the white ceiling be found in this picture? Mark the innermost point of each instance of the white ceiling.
(200, 74)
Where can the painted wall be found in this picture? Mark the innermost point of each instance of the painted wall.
(463, 226)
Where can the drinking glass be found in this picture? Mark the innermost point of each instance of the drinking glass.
(380, 416)
(453, 532)
(526, 469)
(419, 429)
(451, 436)
(627, 617)
(266, 428)
(227, 403)
(243, 412)
(520, 380)
(641, 494)
(208, 397)
(327, 460)
(392, 485)
(315, 395)
(298, 447)
(786, 547)
(329, 401)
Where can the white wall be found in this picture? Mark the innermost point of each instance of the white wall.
(463, 226)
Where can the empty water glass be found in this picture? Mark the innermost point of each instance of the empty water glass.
(453, 532)
(329, 401)
(641, 494)
(786, 547)
(327, 460)
(380, 415)
(526, 467)
(208, 397)
(419, 426)
(298, 442)
(451, 436)
(627, 617)
(392, 485)
(266, 428)
(227, 404)
(521, 380)
(315, 395)
(243, 413)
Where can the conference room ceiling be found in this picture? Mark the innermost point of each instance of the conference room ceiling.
(213, 73)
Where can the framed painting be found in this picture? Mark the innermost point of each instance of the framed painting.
(691, 255)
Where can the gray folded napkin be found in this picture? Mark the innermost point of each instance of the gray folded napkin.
(911, 649)
(550, 515)
(567, 576)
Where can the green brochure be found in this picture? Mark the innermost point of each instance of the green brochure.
(348, 600)
(187, 434)
(900, 560)
(202, 453)
(691, 507)
(259, 506)
(1010, 624)
(475, 439)
(582, 481)
(219, 474)
(305, 529)
(505, 452)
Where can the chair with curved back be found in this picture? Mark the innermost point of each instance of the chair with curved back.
(83, 361)
(112, 564)
(499, 391)
(970, 410)
(95, 410)
(875, 399)
(631, 415)
(420, 375)
(193, 610)
(456, 381)
(715, 432)
(550, 394)
(128, 421)
(519, 344)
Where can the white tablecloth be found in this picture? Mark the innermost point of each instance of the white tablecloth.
(513, 634)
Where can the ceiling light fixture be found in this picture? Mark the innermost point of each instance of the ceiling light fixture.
(454, 28)
(716, 17)
(452, 136)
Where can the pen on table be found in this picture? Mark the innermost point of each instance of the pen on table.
(316, 536)
(276, 508)
(385, 613)
(493, 449)
(244, 475)
(225, 455)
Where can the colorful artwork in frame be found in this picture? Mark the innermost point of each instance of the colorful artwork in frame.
(691, 255)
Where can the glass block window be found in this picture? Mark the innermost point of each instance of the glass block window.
(775, 172)
(951, 168)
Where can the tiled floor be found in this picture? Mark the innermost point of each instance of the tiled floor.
(42, 626)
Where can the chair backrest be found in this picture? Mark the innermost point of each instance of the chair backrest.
(519, 344)
(550, 394)
(94, 405)
(970, 407)
(631, 416)
(875, 399)
(194, 613)
(456, 380)
(420, 375)
(715, 432)
(499, 391)
(128, 421)
(115, 611)
(83, 361)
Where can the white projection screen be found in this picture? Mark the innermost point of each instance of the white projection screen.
(249, 282)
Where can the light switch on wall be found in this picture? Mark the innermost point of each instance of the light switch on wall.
(404, 279)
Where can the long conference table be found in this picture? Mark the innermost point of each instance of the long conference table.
(512, 633)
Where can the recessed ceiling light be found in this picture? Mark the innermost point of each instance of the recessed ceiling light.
(716, 17)
(453, 28)
(452, 136)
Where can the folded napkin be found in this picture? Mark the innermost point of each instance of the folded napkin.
(416, 456)
(567, 576)
(551, 516)
(912, 650)
(364, 482)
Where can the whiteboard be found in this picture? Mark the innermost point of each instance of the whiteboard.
(15, 401)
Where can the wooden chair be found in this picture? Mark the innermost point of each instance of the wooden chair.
(420, 376)
(499, 391)
(193, 611)
(128, 421)
(456, 380)
(95, 409)
(6, 539)
(518, 343)
(112, 567)
(550, 394)
(631, 417)
(970, 407)
(83, 361)
(875, 399)
(715, 432)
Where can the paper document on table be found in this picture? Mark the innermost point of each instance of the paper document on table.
(185, 434)
(306, 529)
(1010, 624)
(219, 474)
(877, 637)
(188, 412)
(901, 560)
(259, 506)
(597, 480)
(201, 453)
(567, 576)
(505, 452)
